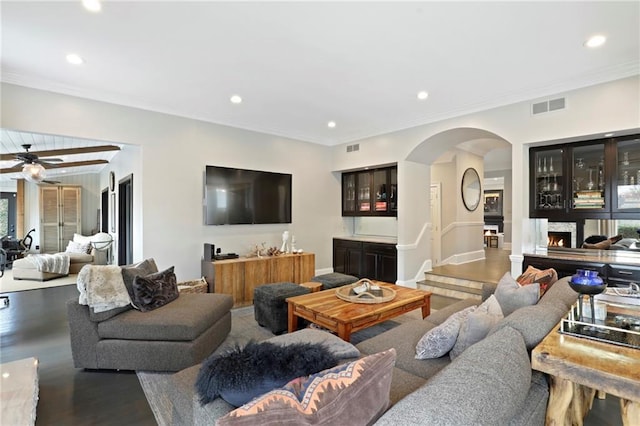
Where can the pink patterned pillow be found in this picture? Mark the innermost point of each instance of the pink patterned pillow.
(545, 278)
(353, 393)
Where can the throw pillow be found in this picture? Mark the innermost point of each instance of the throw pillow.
(545, 278)
(356, 393)
(153, 291)
(477, 325)
(129, 272)
(241, 374)
(74, 247)
(513, 296)
(439, 340)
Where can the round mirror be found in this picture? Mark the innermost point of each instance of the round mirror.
(471, 189)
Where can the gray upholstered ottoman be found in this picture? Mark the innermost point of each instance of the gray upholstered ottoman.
(269, 305)
(334, 279)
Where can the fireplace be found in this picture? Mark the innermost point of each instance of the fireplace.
(559, 239)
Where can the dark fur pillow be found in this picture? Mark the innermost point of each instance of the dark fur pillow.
(153, 291)
(241, 374)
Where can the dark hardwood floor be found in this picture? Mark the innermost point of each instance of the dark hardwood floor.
(34, 325)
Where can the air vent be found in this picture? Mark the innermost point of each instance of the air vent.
(354, 147)
(548, 106)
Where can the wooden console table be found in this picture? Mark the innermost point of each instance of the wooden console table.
(578, 367)
(239, 277)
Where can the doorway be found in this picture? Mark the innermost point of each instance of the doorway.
(104, 210)
(8, 214)
(125, 221)
(436, 224)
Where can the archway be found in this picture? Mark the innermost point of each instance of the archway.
(469, 146)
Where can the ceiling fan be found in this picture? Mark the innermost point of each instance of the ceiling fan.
(32, 165)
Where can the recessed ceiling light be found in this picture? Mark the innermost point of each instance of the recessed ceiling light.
(331, 124)
(608, 135)
(75, 59)
(595, 41)
(92, 5)
(235, 99)
(423, 95)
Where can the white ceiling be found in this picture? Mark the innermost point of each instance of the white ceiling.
(298, 65)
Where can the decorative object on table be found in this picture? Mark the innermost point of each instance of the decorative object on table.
(285, 242)
(586, 282)
(365, 291)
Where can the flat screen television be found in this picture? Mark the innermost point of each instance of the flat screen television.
(239, 196)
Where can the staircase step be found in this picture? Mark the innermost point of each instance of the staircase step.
(471, 285)
(450, 290)
(438, 302)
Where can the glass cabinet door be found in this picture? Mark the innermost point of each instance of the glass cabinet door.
(348, 193)
(549, 180)
(364, 191)
(393, 191)
(588, 173)
(627, 181)
(380, 181)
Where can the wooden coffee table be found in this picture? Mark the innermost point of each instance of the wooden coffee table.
(325, 309)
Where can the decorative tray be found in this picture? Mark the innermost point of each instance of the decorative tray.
(365, 291)
(615, 323)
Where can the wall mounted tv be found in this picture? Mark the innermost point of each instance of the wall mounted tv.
(238, 196)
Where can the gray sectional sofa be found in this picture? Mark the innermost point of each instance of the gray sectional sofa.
(490, 383)
(170, 338)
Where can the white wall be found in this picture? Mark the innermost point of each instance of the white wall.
(168, 181)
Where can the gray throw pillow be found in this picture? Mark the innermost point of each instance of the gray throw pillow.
(129, 272)
(154, 291)
(512, 296)
(439, 340)
(477, 325)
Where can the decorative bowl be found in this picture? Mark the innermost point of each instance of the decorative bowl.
(587, 288)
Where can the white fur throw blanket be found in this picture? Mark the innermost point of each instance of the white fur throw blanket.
(55, 263)
(102, 288)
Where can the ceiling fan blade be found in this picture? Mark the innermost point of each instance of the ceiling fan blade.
(67, 151)
(51, 160)
(53, 182)
(75, 164)
(18, 169)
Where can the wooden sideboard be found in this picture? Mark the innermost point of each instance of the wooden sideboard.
(239, 277)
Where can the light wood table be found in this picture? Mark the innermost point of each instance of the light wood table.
(325, 309)
(578, 367)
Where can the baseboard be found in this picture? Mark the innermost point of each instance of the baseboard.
(323, 271)
(460, 258)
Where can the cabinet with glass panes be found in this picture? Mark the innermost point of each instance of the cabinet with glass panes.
(596, 179)
(372, 192)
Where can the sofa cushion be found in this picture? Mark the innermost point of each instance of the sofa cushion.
(560, 294)
(441, 315)
(182, 320)
(439, 340)
(404, 339)
(486, 385)
(241, 374)
(476, 325)
(533, 322)
(545, 278)
(338, 347)
(512, 295)
(352, 393)
(155, 290)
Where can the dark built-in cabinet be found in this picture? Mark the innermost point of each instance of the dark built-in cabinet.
(372, 192)
(597, 179)
(377, 261)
